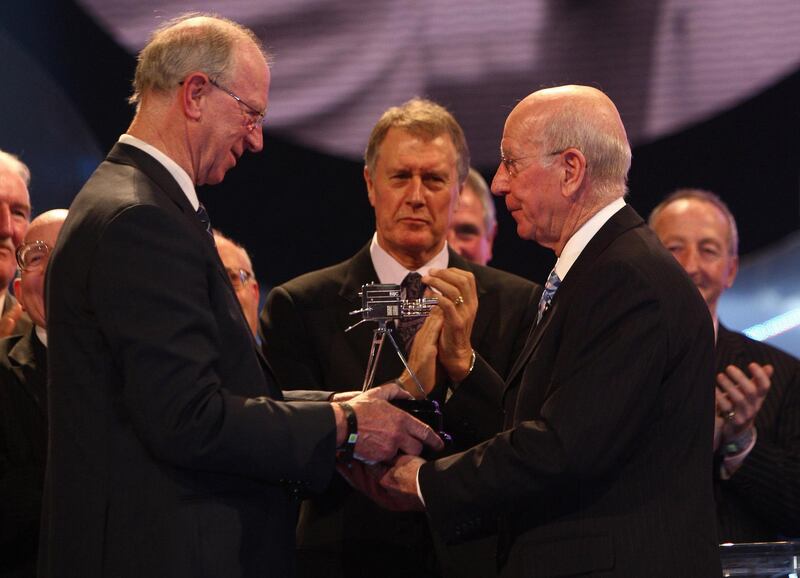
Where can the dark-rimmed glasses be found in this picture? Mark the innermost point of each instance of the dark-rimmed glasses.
(33, 256)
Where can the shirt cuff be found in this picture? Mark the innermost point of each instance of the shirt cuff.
(732, 463)
(419, 490)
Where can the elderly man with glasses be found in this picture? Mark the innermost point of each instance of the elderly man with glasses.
(23, 405)
(172, 450)
(240, 271)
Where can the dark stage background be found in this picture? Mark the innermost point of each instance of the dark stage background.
(296, 209)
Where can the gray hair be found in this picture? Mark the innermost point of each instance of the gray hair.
(420, 117)
(189, 43)
(15, 165)
(707, 197)
(608, 158)
(478, 185)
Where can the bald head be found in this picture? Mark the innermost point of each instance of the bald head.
(584, 118)
(240, 271)
(33, 255)
(565, 156)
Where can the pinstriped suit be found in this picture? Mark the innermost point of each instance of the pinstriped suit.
(605, 467)
(761, 501)
(303, 324)
(169, 450)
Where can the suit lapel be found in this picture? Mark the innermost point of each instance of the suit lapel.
(623, 220)
(29, 374)
(165, 182)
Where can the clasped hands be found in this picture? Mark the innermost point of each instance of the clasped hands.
(441, 346)
(738, 400)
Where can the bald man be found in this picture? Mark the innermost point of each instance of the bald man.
(239, 267)
(603, 467)
(23, 405)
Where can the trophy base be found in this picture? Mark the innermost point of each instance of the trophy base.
(427, 411)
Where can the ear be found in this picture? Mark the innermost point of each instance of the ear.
(370, 186)
(18, 292)
(574, 165)
(490, 238)
(193, 91)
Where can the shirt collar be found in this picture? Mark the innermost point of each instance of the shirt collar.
(177, 172)
(577, 243)
(390, 271)
(41, 333)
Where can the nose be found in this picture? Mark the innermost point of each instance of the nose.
(255, 139)
(416, 193)
(500, 181)
(690, 261)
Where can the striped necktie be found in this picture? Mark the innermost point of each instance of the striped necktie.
(413, 288)
(550, 288)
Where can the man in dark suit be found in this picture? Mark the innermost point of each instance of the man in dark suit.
(603, 469)
(415, 165)
(171, 452)
(23, 406)
(15, 214)
(757, 426)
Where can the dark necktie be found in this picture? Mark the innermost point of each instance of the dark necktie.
(550, 288)
(413, 288)
(202, 214)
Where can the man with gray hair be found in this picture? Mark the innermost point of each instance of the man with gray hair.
(416, 162)
(474, 225)
(602, 467)
(15, 214)
(172, 451)
(757, 387)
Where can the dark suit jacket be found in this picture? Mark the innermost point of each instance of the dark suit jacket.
(303, 326)
(169, 455)
(23, 447)
(761, 501)
(24, 323)
(605, 469)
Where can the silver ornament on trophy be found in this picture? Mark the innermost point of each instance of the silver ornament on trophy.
(382, 303)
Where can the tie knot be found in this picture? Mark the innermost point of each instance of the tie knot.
(553, 281)
(550, 287)
(413, 286)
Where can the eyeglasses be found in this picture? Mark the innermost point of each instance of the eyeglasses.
(511, 163)
(239, 277)
(33, 256)
(252, 115)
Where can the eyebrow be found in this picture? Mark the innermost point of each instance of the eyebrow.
(466, 229)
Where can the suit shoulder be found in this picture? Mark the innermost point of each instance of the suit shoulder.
(491, 279)
(758, 350)
(6, 345)
(315, 284)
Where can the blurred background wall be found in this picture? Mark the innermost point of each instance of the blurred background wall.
(708, 89)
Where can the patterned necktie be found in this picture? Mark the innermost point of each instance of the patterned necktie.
(413, 288)
(550, 288)
(202, 214)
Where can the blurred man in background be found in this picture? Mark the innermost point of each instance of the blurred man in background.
(757, 423)
(473, 227)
